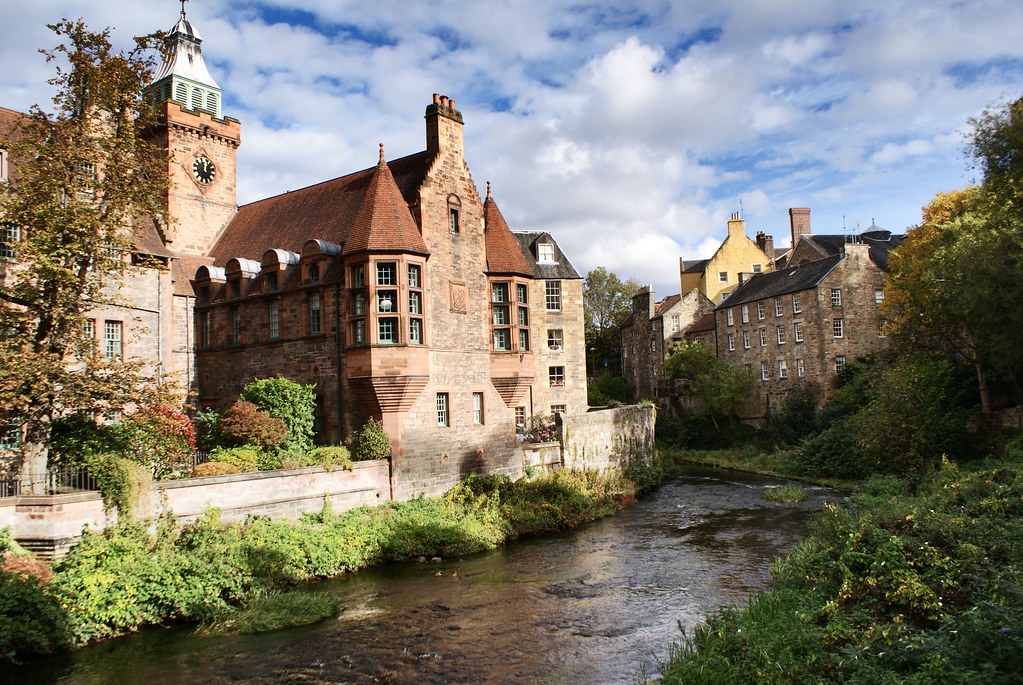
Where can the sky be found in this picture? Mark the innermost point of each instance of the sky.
(629, 129)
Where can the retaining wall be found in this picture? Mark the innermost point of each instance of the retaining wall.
(605, 438)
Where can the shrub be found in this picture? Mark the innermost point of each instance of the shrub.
(288, 401)
(122, 482)
(160, 438)
(245, 424)
(369, 442)
(541, 428)
(607, 390)
(245, 458)
(215, 468)
(74, 438)
(795, 419)
(207, 430)
(790, 492)
(31, 619)
(330, 458)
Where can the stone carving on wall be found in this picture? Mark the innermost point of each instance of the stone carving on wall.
(459, 296)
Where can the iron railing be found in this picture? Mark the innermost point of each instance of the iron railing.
(10, 487)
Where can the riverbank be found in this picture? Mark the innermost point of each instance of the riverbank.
(120, 580)
(777, 464)
(907, 581)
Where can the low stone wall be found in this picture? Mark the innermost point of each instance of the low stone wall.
(50, 525)
(605, 438)
(540, 455)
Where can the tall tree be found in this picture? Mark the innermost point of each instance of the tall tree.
(82, 178)
(717, 387)
(607, 302)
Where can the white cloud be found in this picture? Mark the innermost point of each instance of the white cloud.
(630, 129)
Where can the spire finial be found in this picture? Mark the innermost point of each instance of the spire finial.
(381, 153)
(183, 8)
(488, 191)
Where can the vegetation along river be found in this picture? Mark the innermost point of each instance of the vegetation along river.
(601, 604)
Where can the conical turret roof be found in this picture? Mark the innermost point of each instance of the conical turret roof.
(503, 253)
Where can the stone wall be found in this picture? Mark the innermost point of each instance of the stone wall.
(605, 438)
(50, 525)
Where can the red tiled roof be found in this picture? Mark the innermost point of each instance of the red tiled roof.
(503, 253)
(666, 304)
(326, 211)
(384, 222)
(183, 271)
(702, 325)
(9, 120)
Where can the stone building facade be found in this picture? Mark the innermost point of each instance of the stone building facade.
(795, 328)
(649, 333)
(735, 259)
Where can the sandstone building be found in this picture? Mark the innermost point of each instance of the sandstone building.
(398, 290)
(733, 261)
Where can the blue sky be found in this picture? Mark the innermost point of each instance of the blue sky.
(629, 129)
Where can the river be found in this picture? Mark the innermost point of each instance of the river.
(601, 604)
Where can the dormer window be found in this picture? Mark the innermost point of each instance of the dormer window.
(545, 253)
(271, 281)
(314, 273)
(236, 288)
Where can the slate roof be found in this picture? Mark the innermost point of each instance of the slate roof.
(561, 269)
(881, 242)
(326, 211)
(504, 255)
(775, 283)
(383, 222)
(694, 266)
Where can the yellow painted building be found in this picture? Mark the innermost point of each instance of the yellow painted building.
(734, 261)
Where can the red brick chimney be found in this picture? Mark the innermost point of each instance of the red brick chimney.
(443, 125)
(799, 221)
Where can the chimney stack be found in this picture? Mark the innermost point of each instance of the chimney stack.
(799, 221)
(766, 244)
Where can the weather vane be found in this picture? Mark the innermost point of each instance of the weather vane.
(183, 7)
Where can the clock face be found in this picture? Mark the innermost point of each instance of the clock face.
(203, 170)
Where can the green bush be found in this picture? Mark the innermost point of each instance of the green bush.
(369, 442)
(288, 401)
(215, 468)
(31, 619)
(75, 438)
(246, 458)
(122, 482)
(245, 424)
(607, 390)
(207, 433)
(330, 458)
(159, 438)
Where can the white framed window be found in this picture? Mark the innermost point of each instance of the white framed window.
(442, 409)
(836, 297)
(89, 335)
(731, 342)
(477, 408)
(520, 419)
(453, 221)
(10, 236)
(675, 323)
(359, 304)
(502, 339)
(878, 295)
(729, 317)
(765, 371)
(783, 369)
(553, 295)
(760, 310)
(757, 268)
(415, 331)
(763, 337)
(744, 311)
(523, 340)
(10, 436)
(545, 253)
(558, 409)
(415, 302)
(795, 304)
(556, 376)
(745, 340)
(555, 338)
(387, 301)
(113, 340)
(499, 292)
(778, 311)
(723, 276)
(387, 330)
(521, 293)
(800, 369)
(273, 315)
(797, 332)
(839, 363)
(387, 273)
(359, 332)
(415, 276)
(315, 326)
(837, 327)
(781, 335)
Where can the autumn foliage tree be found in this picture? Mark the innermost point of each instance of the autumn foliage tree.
(83, 177)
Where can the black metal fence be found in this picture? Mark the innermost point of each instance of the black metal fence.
(64, 479)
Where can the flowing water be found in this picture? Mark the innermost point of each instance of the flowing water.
(601, 604)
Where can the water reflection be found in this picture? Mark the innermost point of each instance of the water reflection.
(597, 605)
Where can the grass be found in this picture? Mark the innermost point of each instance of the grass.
(790, 492)
(273, 612)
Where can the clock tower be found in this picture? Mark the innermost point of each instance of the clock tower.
(201, 144)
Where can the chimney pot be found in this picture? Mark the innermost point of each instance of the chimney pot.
(436, 98)
(444, 100)
(452, 103)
